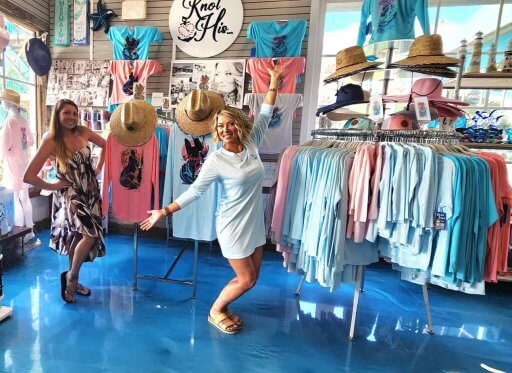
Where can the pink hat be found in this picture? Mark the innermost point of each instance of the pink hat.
(398, 122)
(426, 87)
(4, 35)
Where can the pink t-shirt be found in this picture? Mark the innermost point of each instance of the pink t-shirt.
(16, 138)
(126, 73)
(257, 67)
(132, 171)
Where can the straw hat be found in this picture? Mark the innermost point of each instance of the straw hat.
(133, 122)
(427, 50)
(350, 61)
(196, 111)
(11, 96)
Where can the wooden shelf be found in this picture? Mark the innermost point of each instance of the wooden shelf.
(482, 81)
(477, 145)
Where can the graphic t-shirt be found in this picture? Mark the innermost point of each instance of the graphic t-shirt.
(126, 73)
(186, 156)
(279, 133)
(133, 45)
(392, 19)
(257, 68)
(15, 139)
(277, 39)
(132, 172)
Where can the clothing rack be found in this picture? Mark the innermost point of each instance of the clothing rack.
(165, 278)
(416, 136)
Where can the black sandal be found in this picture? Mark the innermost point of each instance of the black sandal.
(64, 288)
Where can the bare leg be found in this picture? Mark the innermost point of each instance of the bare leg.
(71, 251)
(247, 272)
(80, 253)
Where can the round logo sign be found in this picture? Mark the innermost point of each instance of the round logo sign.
(203, 28)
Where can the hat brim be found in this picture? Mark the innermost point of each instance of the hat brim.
(351, 70)
(435, 71)
(204, 126)
(344, 114)
(405, 98)
(337, 105)
(11, 102)
(428, 60)
(134, 138)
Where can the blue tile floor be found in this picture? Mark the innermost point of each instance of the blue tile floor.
(160, 329)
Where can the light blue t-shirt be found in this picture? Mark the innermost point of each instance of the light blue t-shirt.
(392, 19)
(277, 39)
(133, 44)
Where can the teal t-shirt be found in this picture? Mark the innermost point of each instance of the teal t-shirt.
(277, 39)
(133, 44)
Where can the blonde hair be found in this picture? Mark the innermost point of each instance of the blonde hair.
(55, 133)
(242, 123)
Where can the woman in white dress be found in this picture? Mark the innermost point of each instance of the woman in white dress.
(239, 218)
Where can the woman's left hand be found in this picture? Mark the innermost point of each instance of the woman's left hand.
(276, 72)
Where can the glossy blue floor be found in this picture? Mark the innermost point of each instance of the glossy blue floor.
(161, 329)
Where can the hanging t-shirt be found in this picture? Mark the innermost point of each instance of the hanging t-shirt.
(258, 69)
(279, 133)
(16, 138)
(132, 172)
(277, 39)
(126, 73)
(186, 156)
(133, 45)
(392, 19)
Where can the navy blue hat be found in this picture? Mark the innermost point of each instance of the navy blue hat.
(349, 94)
(38, 56)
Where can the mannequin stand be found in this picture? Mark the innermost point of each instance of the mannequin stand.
(5, 312)
(165, 278)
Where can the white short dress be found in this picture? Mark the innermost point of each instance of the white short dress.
(239, 218)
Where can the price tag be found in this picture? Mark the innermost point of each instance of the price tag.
(440, 220)
(422, 109)
(376, 108)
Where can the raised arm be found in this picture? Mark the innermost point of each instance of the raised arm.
(275, 77)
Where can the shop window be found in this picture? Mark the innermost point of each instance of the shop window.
(16, 74)
(457, 20)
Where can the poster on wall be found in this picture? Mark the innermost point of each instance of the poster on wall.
(226, 77)
(85, 82)
(204, 28)
(80, 22)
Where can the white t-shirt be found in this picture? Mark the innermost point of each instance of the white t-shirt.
(279, 133)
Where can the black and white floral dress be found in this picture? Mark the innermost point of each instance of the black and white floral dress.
(77, 209)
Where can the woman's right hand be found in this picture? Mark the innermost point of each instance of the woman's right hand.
(61, 184)
(151, 221)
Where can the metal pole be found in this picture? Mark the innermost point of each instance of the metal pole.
(194, 270)
(357, 291)
(362, 280)
(462, 55)
(498, 26)
(135, 249)
(437, 16)
(299, 287)
(427, 308)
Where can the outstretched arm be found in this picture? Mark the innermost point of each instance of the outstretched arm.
(275, 76)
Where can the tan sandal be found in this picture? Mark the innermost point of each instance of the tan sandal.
(82, 290)
(236, 319)
(222, 322)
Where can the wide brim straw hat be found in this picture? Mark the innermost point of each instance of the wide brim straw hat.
(427, 50)
(196, 111)
(11, 97)
(133, 122)
(350, 61)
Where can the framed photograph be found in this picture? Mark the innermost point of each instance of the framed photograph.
(85, 82)
(166, 103)
(225, 77)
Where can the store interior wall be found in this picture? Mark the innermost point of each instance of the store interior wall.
(158, 15)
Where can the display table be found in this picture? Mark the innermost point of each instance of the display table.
(16, 232)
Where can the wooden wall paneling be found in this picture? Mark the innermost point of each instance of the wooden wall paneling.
(158, 16)
(35, 13)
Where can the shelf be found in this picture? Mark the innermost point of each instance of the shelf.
(505, 278)
(476, 145)
(482, 81)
